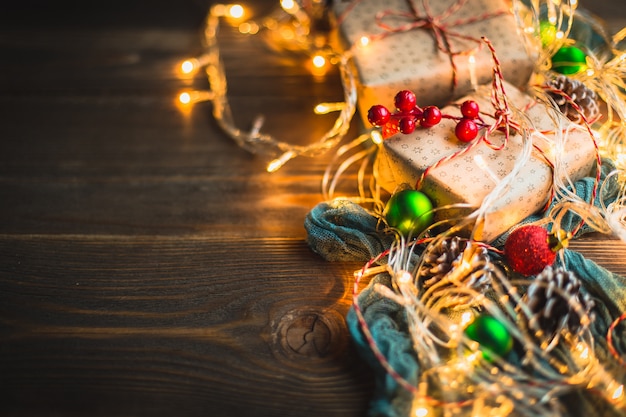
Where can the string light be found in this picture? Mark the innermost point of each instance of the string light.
(256, 141)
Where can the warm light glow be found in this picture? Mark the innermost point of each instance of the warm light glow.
(288, 5)
(184, 98)
(364, 41)
(466, 318)
(560, 35)
(325, 108)
(277, 163)
(376, 136)
(421, 412)
(249, 28)
(404, 277)
(187, 67)
(319, 61)
(187, 98)
(619, 392)
(235, 11)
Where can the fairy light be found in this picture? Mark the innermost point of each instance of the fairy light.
(421, 411)
(184, 97)
(288, 5)
(319, 61)
(235, 11)
(618, 394)
(187, 67)
(249, 28)
(377, 137)
(364, 41)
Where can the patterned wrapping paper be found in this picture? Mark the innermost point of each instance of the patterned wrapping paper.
(403, 158)
(411, 60)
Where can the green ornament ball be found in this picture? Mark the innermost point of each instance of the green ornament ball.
(569, 60)
(493, 336)
(409, 211)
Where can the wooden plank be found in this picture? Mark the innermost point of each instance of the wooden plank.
(119, 325)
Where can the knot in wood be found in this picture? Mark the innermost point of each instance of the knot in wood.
(308, 335)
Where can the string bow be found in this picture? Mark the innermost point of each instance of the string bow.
(439, 25)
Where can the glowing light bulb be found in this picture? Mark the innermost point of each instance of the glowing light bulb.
(404, 277)
(235, 11)
(466, 318)
(187, 67)
(364, 41)
(319, 61)
(377, 138)
(249, 28)
(277, 163)
(287, 5)
(421, 412)
(184, 98)
(618, 393)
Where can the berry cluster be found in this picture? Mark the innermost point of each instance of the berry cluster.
(409, 115)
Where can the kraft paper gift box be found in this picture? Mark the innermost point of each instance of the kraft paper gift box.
(411, 60)
(403, 158)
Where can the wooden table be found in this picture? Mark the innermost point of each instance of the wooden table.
(149, 266)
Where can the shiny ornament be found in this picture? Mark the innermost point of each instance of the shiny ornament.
(569, 60)
(409, 211)
(529, 249)
(492, 336)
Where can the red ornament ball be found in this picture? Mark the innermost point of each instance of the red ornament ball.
(407, 125)
(431, 116)
(466, 130)
(528, 251)
(470, 109)
(405, 100)
(378, 115)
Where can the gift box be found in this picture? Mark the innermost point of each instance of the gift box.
(469, 177)
(403, 53)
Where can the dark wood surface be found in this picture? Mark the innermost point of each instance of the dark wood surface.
(149, 266)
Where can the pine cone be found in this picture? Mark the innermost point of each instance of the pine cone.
(585, 98)
(440, 259)
(550, 307)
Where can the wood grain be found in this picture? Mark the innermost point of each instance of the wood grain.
(148, 266)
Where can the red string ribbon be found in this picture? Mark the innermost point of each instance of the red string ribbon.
(502, 115)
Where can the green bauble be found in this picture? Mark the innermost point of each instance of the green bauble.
(569, 60)
(409, 211)
(493, 336)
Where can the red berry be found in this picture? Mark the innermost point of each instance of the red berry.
(407, 125)
(470, 109)
(378, 115)
(431, 116)
(528, 251)
(466, 130)
(405, 100)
